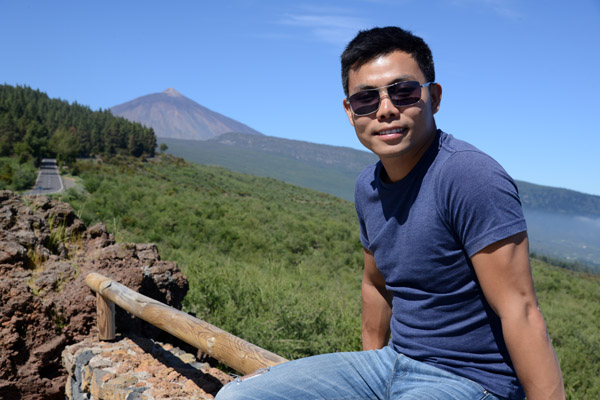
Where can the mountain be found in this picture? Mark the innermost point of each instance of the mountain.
(173, 115)
(563, 224)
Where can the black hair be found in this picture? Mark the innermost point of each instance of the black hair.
(372, 43)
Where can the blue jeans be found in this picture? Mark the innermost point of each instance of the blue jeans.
(379, 374)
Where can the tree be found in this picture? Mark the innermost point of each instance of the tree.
(36, 138)
(163, 147)
(23, 151)
(8, 135)
(65, 144)
(30, 116)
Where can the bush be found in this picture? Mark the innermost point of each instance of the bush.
(15, 176)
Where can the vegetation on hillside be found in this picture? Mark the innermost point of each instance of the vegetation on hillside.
(570, 302)
(568, 230)
(276, 264)
(34, 126)
(280, 265)
(15, 175)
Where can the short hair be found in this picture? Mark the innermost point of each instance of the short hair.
(372, 43)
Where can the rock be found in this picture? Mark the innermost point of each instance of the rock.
(11, 252)
(45, 254)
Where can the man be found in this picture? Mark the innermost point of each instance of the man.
(446, 258)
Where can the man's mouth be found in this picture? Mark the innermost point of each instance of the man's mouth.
(392, 131)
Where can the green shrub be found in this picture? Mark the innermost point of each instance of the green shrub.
(15, 176)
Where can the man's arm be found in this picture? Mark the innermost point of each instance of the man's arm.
(505, 276)
(376, 306)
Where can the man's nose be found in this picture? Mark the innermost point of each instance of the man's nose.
(386, 107)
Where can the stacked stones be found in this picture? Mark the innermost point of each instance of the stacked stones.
(137, 369)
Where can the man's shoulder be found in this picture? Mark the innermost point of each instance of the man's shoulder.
(451, 144)
(464, 169)
(456, 153)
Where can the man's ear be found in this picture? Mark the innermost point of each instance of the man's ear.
(435, 91)
(349, 112)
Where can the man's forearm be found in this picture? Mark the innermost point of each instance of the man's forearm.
(533, 356)
(376, 306)
(505, 277)
(376, 314)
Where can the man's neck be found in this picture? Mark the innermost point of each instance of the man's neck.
(398, 167)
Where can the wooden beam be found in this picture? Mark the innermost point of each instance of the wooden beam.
(238, 354)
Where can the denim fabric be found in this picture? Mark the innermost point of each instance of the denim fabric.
(380, 374)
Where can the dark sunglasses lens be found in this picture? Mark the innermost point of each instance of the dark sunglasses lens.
(365, 102)
(405, 93)
(401, 94)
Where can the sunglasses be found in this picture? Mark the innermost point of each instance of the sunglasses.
(401, 94)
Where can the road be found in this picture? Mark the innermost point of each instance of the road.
(48, 180)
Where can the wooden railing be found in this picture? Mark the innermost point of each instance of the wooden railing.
(238, 354)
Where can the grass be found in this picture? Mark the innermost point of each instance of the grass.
(280, 266)
(255, 250)
(570, 302)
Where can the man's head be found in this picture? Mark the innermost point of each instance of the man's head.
(391, 96)
(370, 44)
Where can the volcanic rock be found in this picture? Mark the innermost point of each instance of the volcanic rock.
(45, 254)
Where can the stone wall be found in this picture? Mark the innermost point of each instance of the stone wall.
(135, 368)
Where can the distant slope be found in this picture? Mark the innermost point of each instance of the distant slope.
(559, 201)
(575, 239)
(329, 169)
(563, 224)
(173, 115)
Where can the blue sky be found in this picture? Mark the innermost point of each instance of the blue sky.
(520, 78)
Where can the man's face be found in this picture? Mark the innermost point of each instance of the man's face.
(399, 133)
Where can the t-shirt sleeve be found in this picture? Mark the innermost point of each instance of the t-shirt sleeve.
(358, 199)
(479, 200)
(363, 198)
(364, 239)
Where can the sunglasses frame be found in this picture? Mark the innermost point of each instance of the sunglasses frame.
(378, 89)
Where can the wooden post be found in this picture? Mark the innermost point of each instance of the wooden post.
(240, 355)
(105, 311)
